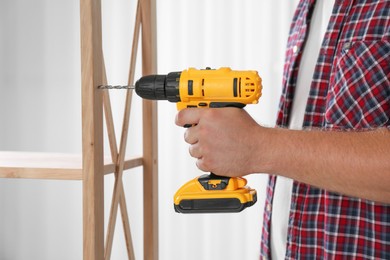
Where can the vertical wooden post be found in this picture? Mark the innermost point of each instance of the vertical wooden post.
(149, 66)
(92, 129)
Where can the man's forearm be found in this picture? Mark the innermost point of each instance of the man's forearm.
(350, 163)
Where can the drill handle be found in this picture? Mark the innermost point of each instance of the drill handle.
(221, 105)
(226, 104)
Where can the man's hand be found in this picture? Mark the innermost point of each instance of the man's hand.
(222, 139)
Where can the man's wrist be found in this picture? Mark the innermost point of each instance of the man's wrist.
(269, 149)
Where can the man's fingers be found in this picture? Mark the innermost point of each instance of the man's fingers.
(190, 136)
(188, 117)
(194, 151)
(199, 163)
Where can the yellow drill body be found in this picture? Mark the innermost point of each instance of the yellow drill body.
(199, 88)
(207, 88)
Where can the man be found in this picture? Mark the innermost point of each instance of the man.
(339, 202)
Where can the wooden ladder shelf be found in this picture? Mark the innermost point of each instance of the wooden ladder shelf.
(92, 165)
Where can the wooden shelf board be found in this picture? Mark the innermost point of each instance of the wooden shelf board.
(34, 165)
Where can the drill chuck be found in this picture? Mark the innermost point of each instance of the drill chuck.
(159, 87)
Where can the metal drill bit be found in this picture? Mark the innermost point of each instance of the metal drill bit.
(115, 87)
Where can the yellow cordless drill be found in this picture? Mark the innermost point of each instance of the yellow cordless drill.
(194, 88)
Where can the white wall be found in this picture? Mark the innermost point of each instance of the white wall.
(40, 111)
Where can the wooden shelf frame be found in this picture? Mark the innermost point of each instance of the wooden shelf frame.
(91, 166)
(53, 166)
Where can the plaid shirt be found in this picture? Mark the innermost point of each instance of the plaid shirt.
(350, 90)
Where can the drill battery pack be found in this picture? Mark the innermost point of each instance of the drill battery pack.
(211, 193)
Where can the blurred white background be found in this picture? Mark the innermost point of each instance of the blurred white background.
(40, 110)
